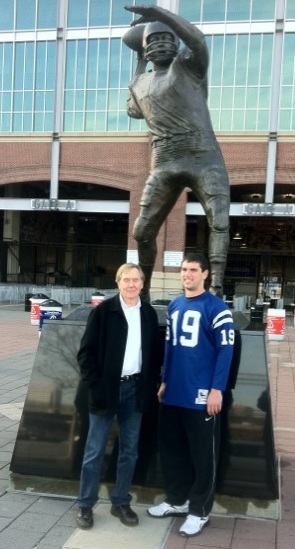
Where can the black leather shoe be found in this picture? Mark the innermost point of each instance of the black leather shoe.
(85, 518)
(125, 514)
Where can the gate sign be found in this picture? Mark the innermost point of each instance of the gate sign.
(269, 209)
(53, 204)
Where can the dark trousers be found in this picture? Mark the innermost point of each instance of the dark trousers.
(188, 444)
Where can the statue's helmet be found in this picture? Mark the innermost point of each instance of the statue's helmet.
(150, 47)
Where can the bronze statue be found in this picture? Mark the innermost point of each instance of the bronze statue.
(172, 98)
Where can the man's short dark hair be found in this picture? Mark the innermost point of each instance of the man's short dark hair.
(197, 258)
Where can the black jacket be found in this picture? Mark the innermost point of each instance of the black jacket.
(102, 351)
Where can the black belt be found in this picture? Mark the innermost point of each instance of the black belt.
(128, 378)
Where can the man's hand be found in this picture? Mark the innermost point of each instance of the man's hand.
(161, 391)
(148, 14)
(214, 402)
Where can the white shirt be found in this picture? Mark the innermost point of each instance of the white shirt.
(133, 353)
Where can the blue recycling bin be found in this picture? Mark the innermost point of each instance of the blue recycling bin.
(49, 310)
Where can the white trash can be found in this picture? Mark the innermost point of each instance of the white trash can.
(36, 301)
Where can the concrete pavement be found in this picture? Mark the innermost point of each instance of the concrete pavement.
(34, 521)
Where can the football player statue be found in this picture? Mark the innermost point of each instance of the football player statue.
(172, 98)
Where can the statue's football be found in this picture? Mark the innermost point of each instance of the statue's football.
(133, 37)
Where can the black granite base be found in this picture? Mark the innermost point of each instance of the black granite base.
(54, 423)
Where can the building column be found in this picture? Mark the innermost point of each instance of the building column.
(275, 101)
(58, 96)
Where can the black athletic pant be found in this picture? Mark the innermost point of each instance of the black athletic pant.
(188, 444)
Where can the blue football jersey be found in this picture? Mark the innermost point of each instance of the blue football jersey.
(198, 351)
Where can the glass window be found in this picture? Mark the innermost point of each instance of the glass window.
(214, 10)
(286, 96)
(70, 64)
(40, 65)
(103, 63)
(214, 98)
(238, 10)
(90, 121)
(99, 13)
(90, 100)
(79, 100)
(216, 60)
(91, 77)
(227, 98)
(68, 121)
(77, 13)
(81, 63)
(226, 120)
(238, 120)
(263, 10)
(47, 14)
(120, 16)
(7, 15)
(6, 122)
(50, 65)
(254, 59)
(126, 60)
(79, 122)
(49, 101)
(28, 101)
(38, 122)
(111, 121)
(288, 59)
(19, 66)
(17, 122)
(100, 125)
(215, 119)
(27, 122)
(290, 9)
(250, 120)
(6, 101)
(29, 66)
(241, 60)
(123, 99)
(113, 100)
(252, 98)
(266, 58)
(229, 60)
(114, 63)
(39, 100)
(7, 67)
(264, 98)
(285, 117)
(190, 10)
(17, 101)
(122, 121)
(101, 100)
(69, 100)
(48, 122)
(263, 120)
(239, 98)
(25, 14)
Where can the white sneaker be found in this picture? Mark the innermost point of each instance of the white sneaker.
(166, 510)
(193, 525)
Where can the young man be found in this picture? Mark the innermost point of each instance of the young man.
(118, 362)
(198, 355)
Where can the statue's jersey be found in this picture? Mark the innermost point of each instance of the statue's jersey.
(200, 332)
(173, 102)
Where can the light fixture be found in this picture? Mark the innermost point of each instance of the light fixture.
(237, 236)
(289, 196)
(255, 196)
